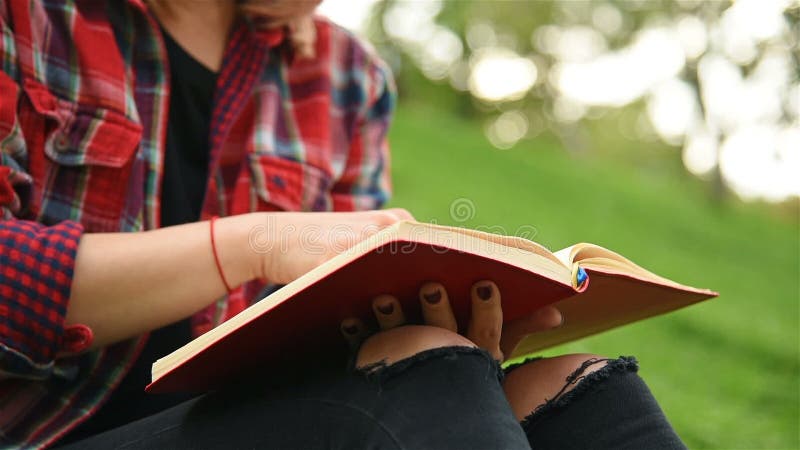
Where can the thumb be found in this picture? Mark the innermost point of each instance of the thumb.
(543, 319)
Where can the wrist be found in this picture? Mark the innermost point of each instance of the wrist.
(236, 260)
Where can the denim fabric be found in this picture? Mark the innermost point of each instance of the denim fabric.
(447, 398)
(611, 408)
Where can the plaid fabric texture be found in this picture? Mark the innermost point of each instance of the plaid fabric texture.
(84, 91)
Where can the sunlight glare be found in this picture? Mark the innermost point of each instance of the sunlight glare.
(673, 110)
(351, 14)
(499, 74)
(700, 152)
(750, 156)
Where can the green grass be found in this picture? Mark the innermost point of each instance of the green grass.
(726, 372)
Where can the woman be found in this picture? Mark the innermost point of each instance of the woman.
(126, 127)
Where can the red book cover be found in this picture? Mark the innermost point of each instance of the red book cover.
(306, 325)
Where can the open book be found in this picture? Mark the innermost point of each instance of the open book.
(595, 289)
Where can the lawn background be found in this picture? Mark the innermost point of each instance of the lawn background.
(726, 372)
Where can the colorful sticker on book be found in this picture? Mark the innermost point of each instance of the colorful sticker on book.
(580, 278)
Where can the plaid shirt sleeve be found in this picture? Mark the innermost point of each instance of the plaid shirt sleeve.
(36, 262)
(36, 265)
(365, 182)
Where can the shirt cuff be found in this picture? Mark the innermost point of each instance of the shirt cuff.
(36, 270)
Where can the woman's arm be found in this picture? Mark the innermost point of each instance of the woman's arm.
(125, 284)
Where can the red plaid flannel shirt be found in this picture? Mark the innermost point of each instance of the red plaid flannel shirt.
(83, 108)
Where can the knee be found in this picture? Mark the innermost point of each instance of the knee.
(403, 342)
(560, 367)
(534, 383)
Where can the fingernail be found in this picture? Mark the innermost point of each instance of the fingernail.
(351, 329)
(484, 292)
(387, 309)
(434, 297)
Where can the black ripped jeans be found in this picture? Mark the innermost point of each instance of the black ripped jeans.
(447, 398)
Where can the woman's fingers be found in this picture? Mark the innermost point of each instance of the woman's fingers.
(486, 328)
(354, 332)
(486, 324)
(303, 34)
(541, 320)
(388, 312)
(436, 310)
(279, 10)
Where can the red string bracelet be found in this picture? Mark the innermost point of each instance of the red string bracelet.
(216, 257)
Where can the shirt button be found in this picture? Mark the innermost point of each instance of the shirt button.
(62, 142)
(77, 338)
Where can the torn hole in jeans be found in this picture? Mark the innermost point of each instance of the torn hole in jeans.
(582, 383)
(381, 372)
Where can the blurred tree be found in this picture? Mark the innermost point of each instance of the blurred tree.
(718, 79)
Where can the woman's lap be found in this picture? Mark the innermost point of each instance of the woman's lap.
(440, 399)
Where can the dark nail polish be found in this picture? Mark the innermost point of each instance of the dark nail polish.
(386, 309)
(352, 329)
(434, 297)
(484, 292)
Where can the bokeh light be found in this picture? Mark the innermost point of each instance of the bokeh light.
(507, 129)
(499, 74)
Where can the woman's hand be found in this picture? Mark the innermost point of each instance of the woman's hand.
(486, 329)
(295, 16)
(286, 245)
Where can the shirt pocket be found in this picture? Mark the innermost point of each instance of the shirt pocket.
(282, 184)
(84, 159)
